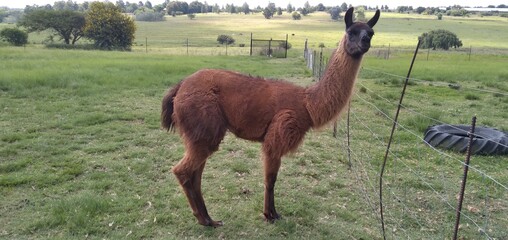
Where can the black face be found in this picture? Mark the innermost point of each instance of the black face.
(358, 39)
(359, 34)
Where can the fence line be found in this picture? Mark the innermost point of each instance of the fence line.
(430, 118)
(433, 82)
(405, 213)
(409, 168)
(246, 45)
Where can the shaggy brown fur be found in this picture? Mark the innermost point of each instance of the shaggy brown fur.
(208, 103)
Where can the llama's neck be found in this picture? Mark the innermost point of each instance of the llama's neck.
(326, 99)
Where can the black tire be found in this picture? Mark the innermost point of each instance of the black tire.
(487, 141)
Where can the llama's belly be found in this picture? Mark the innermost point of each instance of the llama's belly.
(248, 121)
(253, 132)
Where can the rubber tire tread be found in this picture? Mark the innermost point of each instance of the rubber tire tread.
(487, 141)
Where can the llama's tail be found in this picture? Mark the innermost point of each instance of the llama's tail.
(167, 108)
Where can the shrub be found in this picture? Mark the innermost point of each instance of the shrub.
(283, 45)
(150, 17)
(296, 15)
(457, 13)
(14, 36)
(69, 46)
(225, 39)
(191, 16)
(439, 16)
(440, 38)
(472, 97)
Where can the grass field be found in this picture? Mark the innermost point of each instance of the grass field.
(82, 154)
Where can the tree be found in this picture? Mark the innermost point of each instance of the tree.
(335, 13)
(14, 36)
(306, 8)
(195, 7)
(231, 8)
(131, 8)
(177, 7)
(420, 10)
(205, 8)
(267, 13)
(108, 27)
(343, 7)
(159, 8)
(66, 24)
(279, 11)
(440, 38)
(216, 8)
(320, 7)
(225, 39)
(296, 15)
(148, 4)
(246, 8)
(120, 4)
(3, 14)
(149, 16)
(269, 10)
(305, 11)
(289, 8)
(360, 14)
(402, 9)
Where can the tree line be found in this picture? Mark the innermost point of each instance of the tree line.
(109, 27)
(102, 22)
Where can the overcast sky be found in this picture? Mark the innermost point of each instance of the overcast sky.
(296, 3)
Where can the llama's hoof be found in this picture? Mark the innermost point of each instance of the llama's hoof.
(271, 218)
(217, 224)
(212, 223)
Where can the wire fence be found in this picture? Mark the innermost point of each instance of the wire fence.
(243, 45)
(421, 183)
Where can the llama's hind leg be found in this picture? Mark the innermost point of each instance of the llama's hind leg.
(284, 135)
(189, 172)
(271, 166)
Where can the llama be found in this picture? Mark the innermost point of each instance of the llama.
(208, 103)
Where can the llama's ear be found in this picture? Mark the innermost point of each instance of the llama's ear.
(349, 17)
(374, 19)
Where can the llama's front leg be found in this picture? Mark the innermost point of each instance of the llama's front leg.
(284, 134)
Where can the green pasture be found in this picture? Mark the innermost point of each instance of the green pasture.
(398, 31)
(82, 154)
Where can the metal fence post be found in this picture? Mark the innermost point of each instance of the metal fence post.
(464, 178)
(251, 44)
(391, 139)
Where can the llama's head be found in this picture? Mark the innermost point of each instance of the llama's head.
(358, 34)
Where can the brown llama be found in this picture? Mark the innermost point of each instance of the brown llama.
(209, 102)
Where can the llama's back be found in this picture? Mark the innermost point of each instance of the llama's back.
(246, 104)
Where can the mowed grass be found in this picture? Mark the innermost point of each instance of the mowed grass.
(82, 154)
